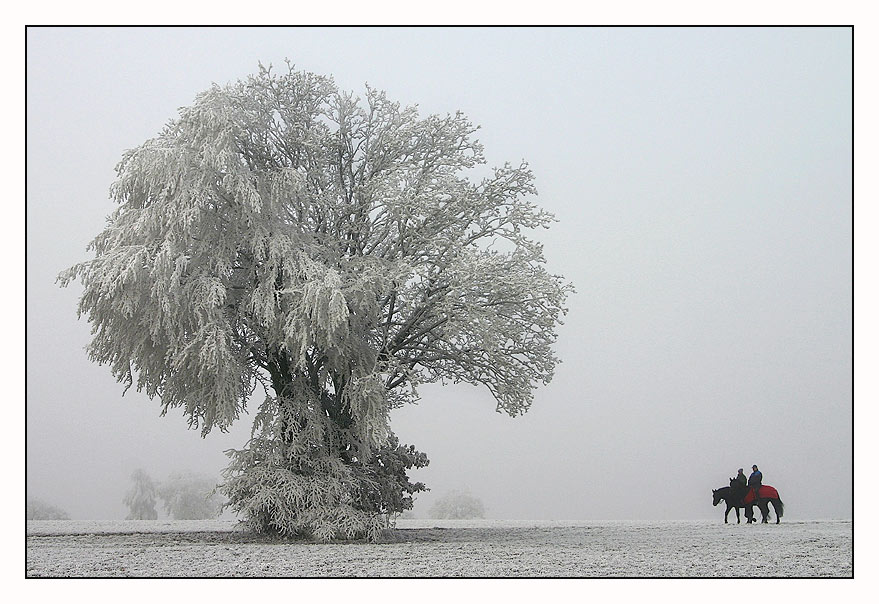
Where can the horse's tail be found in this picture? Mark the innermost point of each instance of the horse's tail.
(779, 507)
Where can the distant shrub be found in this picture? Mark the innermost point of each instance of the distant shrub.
(458, 505)
(189, 496)
(38, 509)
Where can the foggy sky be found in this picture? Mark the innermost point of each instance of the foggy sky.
(701, 179)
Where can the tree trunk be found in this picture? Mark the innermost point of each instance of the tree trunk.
(331, 402)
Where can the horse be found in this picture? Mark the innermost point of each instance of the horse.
(733, 501)
(767, 494)
(737, 497)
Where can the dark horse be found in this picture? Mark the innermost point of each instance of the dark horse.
(733, 501)
(768, 495)
(736, 495)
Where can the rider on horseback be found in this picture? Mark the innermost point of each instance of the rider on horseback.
(755, 481)
(739, 485)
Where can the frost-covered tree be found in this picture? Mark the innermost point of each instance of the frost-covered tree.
(141, 497)
(334, 251)
(189, 496)
(457, 505)
(37, 509)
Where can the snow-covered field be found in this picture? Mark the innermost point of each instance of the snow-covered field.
(443, 548)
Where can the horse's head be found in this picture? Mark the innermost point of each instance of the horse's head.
(717, 497)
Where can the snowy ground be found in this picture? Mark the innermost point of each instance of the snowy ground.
(438, 548)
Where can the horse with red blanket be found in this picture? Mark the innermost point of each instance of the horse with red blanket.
(768, 495)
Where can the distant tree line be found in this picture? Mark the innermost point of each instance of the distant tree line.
(185, 496)
(37, 509)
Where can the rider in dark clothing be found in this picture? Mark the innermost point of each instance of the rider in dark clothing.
(755, 481)
(740, 484)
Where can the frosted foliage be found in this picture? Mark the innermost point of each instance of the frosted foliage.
(271, 489)
(284, 482)
(141, 497)
(330, 249)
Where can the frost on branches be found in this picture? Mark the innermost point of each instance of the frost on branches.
(329, 249)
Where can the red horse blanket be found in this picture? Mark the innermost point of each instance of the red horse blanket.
(766, 492)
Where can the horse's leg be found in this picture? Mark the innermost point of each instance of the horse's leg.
(764, 509)
(726, 514)
(777, 515)
(738, 516)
